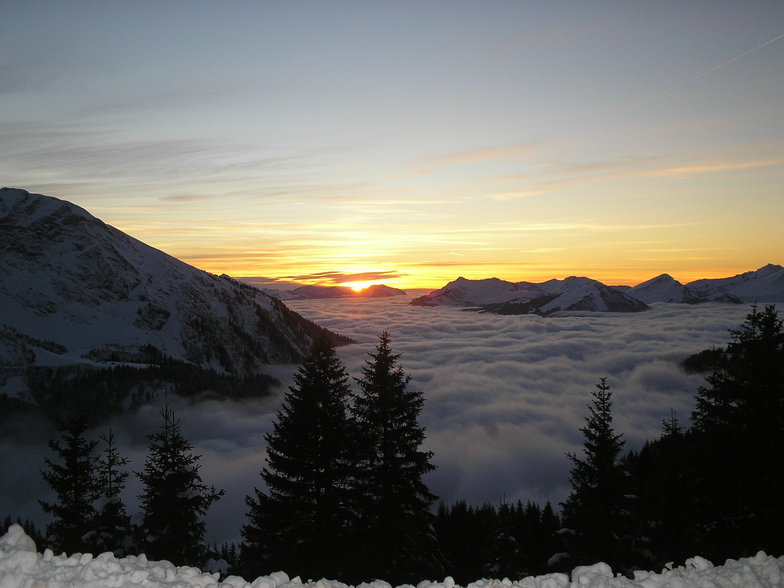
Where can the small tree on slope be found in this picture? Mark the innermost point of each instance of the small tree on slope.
(174, 498)
(73, 482)
(594, 509)
(302, 522)
(112, 527)
(396, 527)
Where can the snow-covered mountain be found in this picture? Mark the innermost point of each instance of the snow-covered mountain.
(763, 285)
(494, 295)
(663, 288)
(579, 293)
(465, 292)
(75, 290)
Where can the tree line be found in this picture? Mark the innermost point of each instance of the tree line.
(344, 497)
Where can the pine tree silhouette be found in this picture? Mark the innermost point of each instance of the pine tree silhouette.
(397, 536)
(174, 498)
(112, 528)
(739, 425)
(593, 510)
(301, 523)
(73, 481)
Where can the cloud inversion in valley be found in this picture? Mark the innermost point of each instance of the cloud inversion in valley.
(505, 397)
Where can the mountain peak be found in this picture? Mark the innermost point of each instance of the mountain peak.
(92, 290)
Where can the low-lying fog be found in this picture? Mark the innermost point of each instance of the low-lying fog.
(505, 397)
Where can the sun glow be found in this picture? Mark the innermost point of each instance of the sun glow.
(358, 286)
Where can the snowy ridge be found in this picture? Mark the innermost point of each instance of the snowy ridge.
(763, 285)
(22, 567)
(663, 288)
(584, 294)
(570, 294)
(92, 293)
(465, 292)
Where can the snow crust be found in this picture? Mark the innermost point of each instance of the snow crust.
(22, 567)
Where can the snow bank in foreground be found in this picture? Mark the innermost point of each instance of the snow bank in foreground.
(22, 567)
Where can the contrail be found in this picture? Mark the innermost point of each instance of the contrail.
(711, 70)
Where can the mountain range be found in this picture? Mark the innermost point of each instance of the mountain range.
(77, 294)
(585, 294)
(75, 291)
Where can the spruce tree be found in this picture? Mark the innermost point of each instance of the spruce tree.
(301, 523)
(661, 483)
(112, 529)
(396, 535)
(739, 436)
(73, 481)
(593, 510)
(174, 499)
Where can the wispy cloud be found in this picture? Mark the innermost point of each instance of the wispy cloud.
(711, 167)
(342, 278)
(521, 194)
(522, 151)
(557, 177)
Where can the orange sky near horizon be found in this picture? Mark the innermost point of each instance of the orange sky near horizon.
(409, 143)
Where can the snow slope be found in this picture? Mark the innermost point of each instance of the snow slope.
(75, 290)
(22, 567)
(763, 285)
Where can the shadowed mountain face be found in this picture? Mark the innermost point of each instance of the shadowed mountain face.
(75, 290)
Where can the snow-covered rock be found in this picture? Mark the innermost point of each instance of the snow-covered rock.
(22, 567)
(75, 290)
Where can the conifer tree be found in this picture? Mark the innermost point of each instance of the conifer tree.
(739, 426)
(301, 523)
(593, 510)
(661, 483)
(112, 528)
(174, 498)
(509, 559)
(396, 535)
(73, 481)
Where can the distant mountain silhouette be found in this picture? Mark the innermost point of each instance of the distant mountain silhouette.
(311, 292)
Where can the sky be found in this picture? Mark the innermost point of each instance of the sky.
(406, 142)
(504, 400)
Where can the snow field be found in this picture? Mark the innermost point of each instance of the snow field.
(22, 567)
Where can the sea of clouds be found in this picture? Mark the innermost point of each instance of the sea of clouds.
(505, 397)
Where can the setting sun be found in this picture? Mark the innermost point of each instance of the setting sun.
(358, 286)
